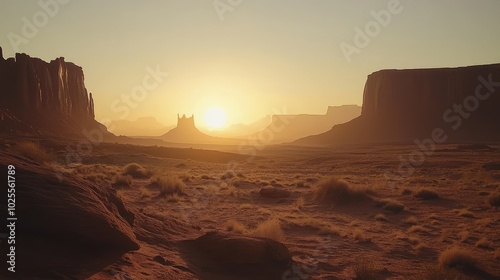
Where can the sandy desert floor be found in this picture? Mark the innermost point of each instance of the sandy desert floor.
(397, 230)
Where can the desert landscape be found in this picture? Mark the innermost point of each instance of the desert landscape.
(260, 154)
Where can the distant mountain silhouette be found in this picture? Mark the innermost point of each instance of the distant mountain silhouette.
(146, 126)
(462, 104)
(37, 97)
(286, 128)
(242, 130)
(187, 132)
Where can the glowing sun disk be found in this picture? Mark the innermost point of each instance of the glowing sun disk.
(215, 118)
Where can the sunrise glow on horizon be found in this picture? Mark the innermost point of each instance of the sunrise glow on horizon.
(265, 55)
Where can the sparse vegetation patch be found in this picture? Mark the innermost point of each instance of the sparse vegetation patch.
(338, 192)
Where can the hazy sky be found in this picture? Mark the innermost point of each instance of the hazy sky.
(258, 58)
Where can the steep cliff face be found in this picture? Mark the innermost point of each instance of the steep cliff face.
(408, 93)
(45, 93)
(401, 105)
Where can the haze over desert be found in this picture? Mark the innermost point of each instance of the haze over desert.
(253, 140)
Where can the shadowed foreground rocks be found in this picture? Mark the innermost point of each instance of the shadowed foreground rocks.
(65, 228)
(217, 255)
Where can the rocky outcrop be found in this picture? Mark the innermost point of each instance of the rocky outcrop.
(234, 256)
(48, 94)
(61, 222)
(186, 132)
(401, 105)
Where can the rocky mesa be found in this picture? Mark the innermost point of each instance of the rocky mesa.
(403, 105)
(50, 96)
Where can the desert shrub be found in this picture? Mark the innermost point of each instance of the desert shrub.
(145, 193)
(359, 235)
(381, 217)
(235, 226)
(426, 194)
(206, 177)
(483, 243)
(493, 199)
(456, 257)
(169, 185)
(32, 151)
(299, 203)
(391, 205)
(364, 270)
(270, 229)
(465, 213)
(246, 206)
(411, 220)
(334, 191)
(264, 211)
(233, 191)
(186, 177)
(122, 181)
(136, 171)
(417, 228)
(229, 174)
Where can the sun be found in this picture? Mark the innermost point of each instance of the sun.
(215, 118)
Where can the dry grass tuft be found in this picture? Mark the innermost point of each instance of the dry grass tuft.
(456, 257)
(391, 205)
(427, 194)
(264, 211)
(145, 193)
(338, 192)
(465, 213)
(246, 206)
(299, 203)
(122, 181)
(381, 217)
(417, 228)
(228, 175)
(136, 171)
(270, 229)
(359, 235)
(411, 220)
(32, 151)
(483, 243)
(235, 226)
(364, 270)
(493, 199)
(169, 185)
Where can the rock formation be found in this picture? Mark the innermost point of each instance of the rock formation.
(234, 256)
(50, 95)
(187, 132)
(401, 105)
(61, 223)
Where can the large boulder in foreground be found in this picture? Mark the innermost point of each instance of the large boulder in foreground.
(63, 219)
(218, 255)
